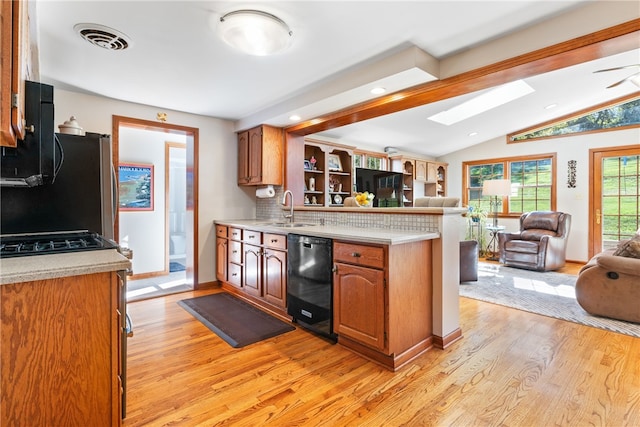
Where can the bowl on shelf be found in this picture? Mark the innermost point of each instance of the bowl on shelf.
(364, 200)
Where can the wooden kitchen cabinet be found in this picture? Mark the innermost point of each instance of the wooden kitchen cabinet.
(222, 253)
(436, 185)
(383, 300)
(256, 267)
(261, 156)
(274, 270)
(330, 185)
(359, 304)
(235, 259)
(16, 68)
(61, 359)
(359, 297)
(421, 170)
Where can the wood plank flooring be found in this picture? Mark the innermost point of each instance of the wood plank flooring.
(512, 368)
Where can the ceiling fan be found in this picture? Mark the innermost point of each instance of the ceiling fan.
(633, 78)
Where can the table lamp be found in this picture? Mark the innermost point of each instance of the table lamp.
(496, 188)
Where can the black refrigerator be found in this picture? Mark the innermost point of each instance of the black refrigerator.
(82, 196)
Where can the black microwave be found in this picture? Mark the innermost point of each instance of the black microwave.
(35, 158)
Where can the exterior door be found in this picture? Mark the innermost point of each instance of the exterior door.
(615, 196)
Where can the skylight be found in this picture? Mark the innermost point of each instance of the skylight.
(485, 102)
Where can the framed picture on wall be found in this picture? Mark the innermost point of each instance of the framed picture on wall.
(135, 187)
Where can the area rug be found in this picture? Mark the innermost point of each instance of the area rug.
(233, 320)
(549, 294)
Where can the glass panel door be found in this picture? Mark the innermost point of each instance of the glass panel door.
(616, 197)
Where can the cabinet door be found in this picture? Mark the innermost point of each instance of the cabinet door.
(243, 158)
(222, 259)
(274, 276)
(252, 267)
(432, 172)
(358, 311)
(255, 156)
(421, 170)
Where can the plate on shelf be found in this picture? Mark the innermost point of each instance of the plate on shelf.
(337, 199)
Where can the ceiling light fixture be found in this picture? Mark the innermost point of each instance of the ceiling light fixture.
(294, 118)
(255, 32)
(550, 106)
(485, 102)
(378, 90)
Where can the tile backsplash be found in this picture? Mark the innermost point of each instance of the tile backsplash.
(272, 209)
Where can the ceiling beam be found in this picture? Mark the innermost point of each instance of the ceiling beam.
(610, 41)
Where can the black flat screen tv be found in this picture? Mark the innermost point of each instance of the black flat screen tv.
(386, 185)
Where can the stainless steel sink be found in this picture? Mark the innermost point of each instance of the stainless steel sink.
(288, 224)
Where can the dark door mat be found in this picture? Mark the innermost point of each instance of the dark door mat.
(233, 320)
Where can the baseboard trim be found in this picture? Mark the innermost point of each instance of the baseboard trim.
(446, 341)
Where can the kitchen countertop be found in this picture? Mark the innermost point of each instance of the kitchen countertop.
(43, 267)
(363, 235)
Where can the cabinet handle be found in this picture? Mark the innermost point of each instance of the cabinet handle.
(234, 234)
(252, 237)
(356, 255)
(274, 240)
(235, 252)
(335, 268)
(234, 274)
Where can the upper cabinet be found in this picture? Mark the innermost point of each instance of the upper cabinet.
(15, 66)
(260, 156)
(421, 178)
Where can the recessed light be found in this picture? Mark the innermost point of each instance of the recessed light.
(550, 106)
(473, 133)
(378, 90)
(294, 118)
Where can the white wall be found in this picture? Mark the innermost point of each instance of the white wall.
(143, 231)
(571, 200)
(219, 197)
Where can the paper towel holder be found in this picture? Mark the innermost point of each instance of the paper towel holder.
(265, 192)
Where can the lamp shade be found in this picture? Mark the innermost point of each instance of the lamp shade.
(496, 187)
(254, 32)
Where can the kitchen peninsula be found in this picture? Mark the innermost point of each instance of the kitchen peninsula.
(62, 335)
(393, 296)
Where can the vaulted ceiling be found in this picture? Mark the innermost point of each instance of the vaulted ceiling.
(340, 49)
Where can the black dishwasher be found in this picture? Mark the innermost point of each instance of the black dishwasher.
(310, 283)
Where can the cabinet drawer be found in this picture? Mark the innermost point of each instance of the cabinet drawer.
(221, 230)
(371, 256)
(275, 241)
(253, 237)
(235, 233)
(235, 275)
(235, 252)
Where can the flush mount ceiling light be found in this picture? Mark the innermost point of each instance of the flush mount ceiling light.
(255, 32)
(485, 102)
(104, 37)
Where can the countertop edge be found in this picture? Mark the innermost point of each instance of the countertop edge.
(362, 235)
(52, 266)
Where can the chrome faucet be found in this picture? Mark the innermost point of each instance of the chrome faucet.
(284, 203)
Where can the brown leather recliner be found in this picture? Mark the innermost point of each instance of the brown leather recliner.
(541, 243)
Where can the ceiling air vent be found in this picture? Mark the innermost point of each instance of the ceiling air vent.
(102, 36)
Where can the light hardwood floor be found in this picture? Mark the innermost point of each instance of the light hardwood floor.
(512, 368)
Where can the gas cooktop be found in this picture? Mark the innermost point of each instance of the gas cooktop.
(52, 243)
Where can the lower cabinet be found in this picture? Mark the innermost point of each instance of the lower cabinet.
(359, 304)
(61, 343)
(222, 259)
(359, 293)
(256, 266)
(274, 270)
(382, 300)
